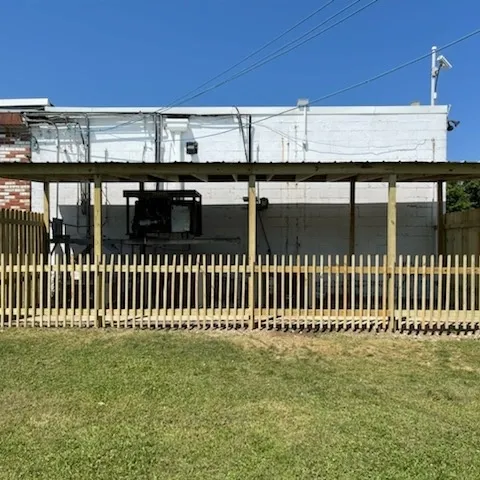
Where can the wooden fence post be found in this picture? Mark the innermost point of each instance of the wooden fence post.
(352, 232)
(46, 217)
(391, 247)
(252, 247)
(97, 250)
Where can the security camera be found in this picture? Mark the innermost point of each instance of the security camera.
(452, 125)
(444, 63)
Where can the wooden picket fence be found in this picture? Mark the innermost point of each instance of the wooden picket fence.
(185, 291)
(22, 234)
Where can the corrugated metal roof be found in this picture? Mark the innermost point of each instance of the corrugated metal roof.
(240, 171)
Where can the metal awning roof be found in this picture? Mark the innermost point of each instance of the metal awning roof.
(239, 172)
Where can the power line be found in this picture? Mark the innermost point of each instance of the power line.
(288, 47)
(380, 75)
(356, 85)
(254, 53)
(294, 44)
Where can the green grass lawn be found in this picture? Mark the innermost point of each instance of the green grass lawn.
(194, 405)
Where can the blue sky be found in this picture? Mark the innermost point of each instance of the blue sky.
(149, 52)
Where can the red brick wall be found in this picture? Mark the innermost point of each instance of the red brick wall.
(14, 147)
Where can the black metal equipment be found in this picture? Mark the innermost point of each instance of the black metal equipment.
(164, 213)
(192, 148)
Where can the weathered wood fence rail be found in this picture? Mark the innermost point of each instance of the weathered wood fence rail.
(463, 232)
(312, 292)
(22, 233)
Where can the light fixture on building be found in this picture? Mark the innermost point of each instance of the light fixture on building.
(452, 125)
(262, 203)
(303, 102)
(192, 148)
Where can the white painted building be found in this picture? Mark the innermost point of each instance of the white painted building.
(302, 217)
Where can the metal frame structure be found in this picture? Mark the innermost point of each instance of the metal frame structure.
(391, 173)
(240, 172)
(352, 172)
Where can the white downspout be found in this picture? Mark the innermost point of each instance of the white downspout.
(305, 133)
(177, 127)
(179, 153)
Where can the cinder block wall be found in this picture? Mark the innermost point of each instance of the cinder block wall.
(303, 218)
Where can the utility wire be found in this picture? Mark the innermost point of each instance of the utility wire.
(288, 47)
(350, 87)
(253, 54)
(355, 85)
(379, 76)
